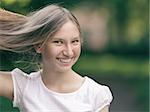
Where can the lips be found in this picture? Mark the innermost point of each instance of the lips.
(65, 60)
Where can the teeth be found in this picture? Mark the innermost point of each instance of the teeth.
(65, 60)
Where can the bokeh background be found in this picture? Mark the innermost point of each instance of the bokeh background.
(115, 49)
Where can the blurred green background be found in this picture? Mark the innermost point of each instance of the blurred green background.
(115, 49)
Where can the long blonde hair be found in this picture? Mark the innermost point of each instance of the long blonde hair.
(20, 33)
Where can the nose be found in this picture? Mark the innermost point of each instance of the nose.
(68, 51)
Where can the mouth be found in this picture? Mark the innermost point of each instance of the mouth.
(65, 60)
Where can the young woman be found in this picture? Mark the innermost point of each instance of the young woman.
(53, 33)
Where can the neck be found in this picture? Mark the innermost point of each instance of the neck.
(51, 77)
(64, 82)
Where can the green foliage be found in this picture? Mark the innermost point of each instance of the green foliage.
(128, 19)
(6, 105)
(128, 33)
(134, 71)
(112, 64)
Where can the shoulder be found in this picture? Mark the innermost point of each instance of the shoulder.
(96, 87)
(21, 74)
(20, 78)
(17, 71)
(101, 94)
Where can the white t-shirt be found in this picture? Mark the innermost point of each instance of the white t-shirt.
(31, 95)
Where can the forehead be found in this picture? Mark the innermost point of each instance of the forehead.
(67, 29)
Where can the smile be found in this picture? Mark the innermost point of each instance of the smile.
(63, 60)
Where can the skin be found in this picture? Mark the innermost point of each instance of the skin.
(6, 85)
(105, 109)
(59, 54)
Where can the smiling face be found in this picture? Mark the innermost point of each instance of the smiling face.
(62, 50)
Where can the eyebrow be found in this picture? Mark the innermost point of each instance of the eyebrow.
(59, 38)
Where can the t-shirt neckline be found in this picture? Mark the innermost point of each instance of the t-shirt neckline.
(64, 94)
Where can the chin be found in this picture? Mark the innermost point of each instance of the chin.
(64, 69)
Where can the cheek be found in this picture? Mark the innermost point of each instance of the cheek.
(49, 52)
(77, 50)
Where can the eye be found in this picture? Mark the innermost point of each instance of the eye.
(76, 41)
(57, 42)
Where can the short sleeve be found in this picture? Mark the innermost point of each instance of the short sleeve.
(19, 85)
(103, 97)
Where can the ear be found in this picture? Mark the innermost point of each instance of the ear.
(38, 48)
